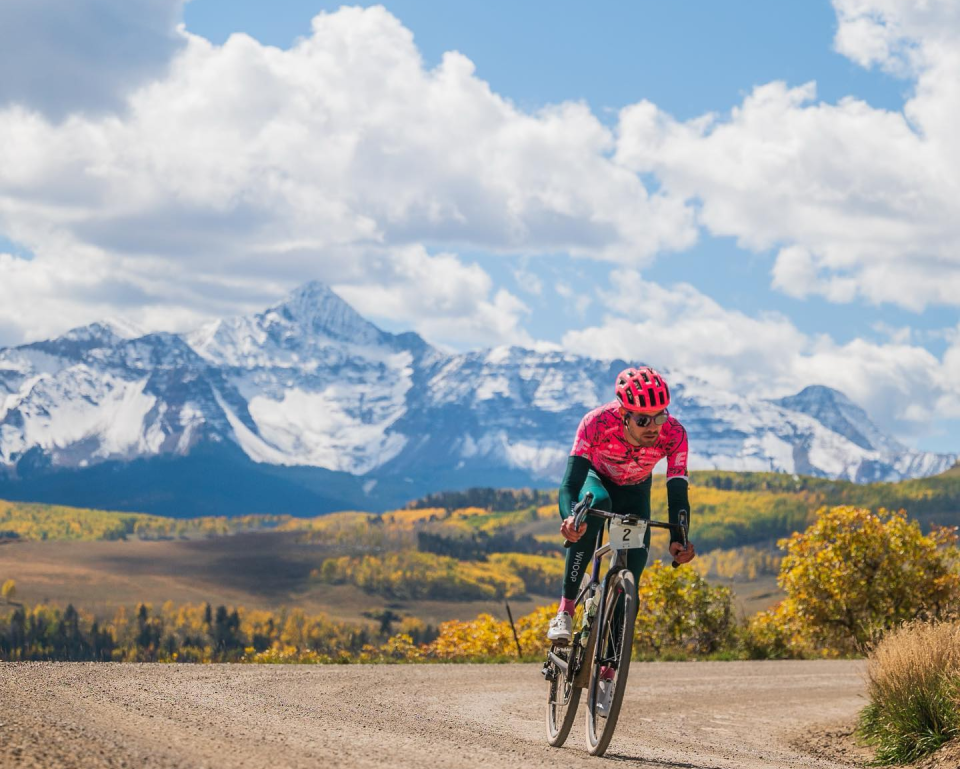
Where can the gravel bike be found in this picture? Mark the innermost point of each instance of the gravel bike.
(603, 623)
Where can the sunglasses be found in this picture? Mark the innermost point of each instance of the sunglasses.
(643, 420)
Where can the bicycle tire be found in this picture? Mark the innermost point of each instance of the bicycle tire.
(563, 698)
(600, 730)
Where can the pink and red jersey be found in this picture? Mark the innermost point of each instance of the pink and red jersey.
(601, 440)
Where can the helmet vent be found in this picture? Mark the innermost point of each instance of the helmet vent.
(642, 389)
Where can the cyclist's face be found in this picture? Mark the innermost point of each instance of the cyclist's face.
(643, 436)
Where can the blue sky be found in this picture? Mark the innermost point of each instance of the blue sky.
(612, 54)
(759, 194)
(609, 54)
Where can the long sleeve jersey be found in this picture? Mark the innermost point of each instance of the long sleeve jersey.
(601, 445)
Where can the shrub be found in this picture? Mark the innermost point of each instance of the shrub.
(776, 634)
(678, 611)
(854, 574)
(914, 690)
(480, 638)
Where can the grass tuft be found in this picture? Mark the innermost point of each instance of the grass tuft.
(914, 690)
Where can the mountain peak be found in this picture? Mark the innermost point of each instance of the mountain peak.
(94, 332)
(820, 394)
(837, 412)
(109, 331)
(315, 308)
(78, 341)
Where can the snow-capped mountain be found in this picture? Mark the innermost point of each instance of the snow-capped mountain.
(314, 406)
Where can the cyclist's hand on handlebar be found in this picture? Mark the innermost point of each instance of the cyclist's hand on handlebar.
(569, 533)
(681, 555)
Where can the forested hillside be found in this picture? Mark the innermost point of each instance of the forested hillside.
(28, 521)
(493, 543)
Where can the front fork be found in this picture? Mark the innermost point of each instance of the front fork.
(619, 564)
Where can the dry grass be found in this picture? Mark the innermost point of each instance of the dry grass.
(914, 689)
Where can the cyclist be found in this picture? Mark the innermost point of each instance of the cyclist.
(613, 455)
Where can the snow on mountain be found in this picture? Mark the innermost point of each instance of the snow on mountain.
(818, 431)
(311, 328)
(323, 386)
(92, 395)
(827, 405)
(308, 382)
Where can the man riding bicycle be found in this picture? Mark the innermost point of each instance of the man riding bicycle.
(613, 455)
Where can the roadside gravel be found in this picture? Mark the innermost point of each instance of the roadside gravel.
(693, 715)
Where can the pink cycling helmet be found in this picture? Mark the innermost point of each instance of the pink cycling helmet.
(642, 390)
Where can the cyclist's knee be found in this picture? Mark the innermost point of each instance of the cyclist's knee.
(601, 500)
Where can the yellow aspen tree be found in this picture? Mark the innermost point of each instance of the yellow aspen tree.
(854, 574)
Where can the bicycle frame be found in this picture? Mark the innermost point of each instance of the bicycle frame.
(579, 672)
(618, 560)
(601, 635)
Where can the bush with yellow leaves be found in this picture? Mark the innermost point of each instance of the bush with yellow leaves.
(852, 575)
(679, 612)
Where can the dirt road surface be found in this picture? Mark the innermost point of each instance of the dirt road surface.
(694, 715)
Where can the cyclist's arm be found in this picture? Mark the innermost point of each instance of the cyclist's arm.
(572, 483)
(678, 500)
(578, 464)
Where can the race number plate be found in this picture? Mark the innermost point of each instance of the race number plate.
(627, 537)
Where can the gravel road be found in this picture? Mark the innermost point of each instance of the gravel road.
(717, 715)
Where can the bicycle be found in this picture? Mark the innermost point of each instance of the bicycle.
(578, 665)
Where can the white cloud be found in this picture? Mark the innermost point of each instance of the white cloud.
(581, 299)
(679, 328)
(528, 281)
(899, 335)
(860, 202)
(450, 303)
(234, 172)
(64, 56)
(897, 35)
(248, 163)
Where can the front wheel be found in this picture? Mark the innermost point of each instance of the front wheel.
(614, 643)
(562, 700)
(563, 695)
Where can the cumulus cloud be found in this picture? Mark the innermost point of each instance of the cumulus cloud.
(528, 281)
(904, 385)
(450, 303)
(247, 167)
(680, 327)
(899, 36)
(64, 56)
(859, 202)
(234, 172)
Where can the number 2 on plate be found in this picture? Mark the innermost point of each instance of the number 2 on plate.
(627, 537)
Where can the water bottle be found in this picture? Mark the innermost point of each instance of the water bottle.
(590, 609)
(591, 605)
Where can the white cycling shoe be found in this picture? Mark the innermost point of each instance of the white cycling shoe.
(604, 696)
(561, 629)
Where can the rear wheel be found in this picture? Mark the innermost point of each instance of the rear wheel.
(614, 643)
